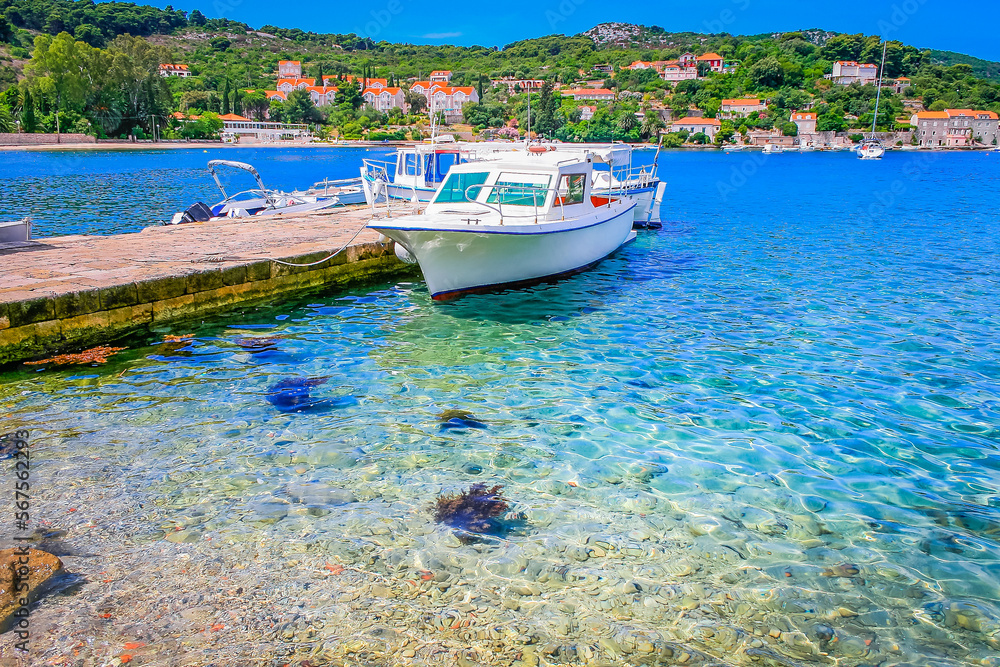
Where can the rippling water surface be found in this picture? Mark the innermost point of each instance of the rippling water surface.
(766, 434)
(110, 192)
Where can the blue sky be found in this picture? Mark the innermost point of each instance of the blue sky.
(923, 23)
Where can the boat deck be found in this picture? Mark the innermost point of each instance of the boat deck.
(72, 291)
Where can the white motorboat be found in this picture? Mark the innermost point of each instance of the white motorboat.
(733, 148)
(418, 170)
(772, 148)
(346, 190)
(806, 148)
(510, 222)
(18, 231)
(259, 201)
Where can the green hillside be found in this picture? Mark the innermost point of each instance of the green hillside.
(116, 48)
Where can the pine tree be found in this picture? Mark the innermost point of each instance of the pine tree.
(225, 99)
(319, 74)
(28, 122)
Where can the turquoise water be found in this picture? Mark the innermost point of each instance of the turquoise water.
(110, 192)
(766, 434)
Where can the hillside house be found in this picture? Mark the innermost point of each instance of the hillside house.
(804, 121)
(449, 100)
(383, 99)
(289, 69)
(288, 85)
(515, 85)
(678, 72)
(709, 126)
(714, 61)
(955, 128)
(181, 71)
(846, 72)
(741, 108)
(591, 94)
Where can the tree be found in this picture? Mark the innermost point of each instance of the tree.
(349, 95)
(299, 108)
(767, 72)
(59, 69)
(789, 129)
(319, 74)
(28, 122)
(225, 98)
(546, 120)
(627, 122)
(652, 124)
(89, 33)
(255, 104)
(938, 105)
(6, 120)
(197, 18)
(7, 33)
(132, 76)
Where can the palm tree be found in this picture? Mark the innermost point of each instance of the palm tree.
(652, 125)
(627, 121)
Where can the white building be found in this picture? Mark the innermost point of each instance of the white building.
(709, 126)
(956, 128)
(289, 69)
(440, 76)
(243, 128)
(593, 94)
(450, 100)
(175, 70)
(386, 98)
(846, 72)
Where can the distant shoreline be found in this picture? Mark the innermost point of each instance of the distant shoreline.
(187, 145)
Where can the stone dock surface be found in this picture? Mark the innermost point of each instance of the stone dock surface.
(74, 291)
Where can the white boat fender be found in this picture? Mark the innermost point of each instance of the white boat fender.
(404, 255)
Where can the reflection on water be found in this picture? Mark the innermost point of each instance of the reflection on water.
(764, 440)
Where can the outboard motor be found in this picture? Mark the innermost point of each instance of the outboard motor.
(199, 212)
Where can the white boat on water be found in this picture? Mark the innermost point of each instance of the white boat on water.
(418, 171)
(872, 147)
(733, 148)
(259, 201)
(510, 222)
(346, 190)
(770, 149)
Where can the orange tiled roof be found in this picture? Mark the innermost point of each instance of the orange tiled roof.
(392, 90)
(289, 62)
(234, 117)
(171, 66)
(297, 82)
(710, 56)
(970, 112)
(923, 115)
(805, 116)
(275, 93)
(698, 121)
(451, 90)
(440, 72)
(746, 100)
(588, 91)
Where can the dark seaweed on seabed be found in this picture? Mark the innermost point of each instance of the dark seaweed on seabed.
(476, 511)
(294, 395)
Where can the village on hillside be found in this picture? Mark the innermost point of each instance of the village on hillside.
(807, 89)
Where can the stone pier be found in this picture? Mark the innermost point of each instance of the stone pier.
(77, 291)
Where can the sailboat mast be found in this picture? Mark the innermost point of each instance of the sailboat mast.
(878, 93)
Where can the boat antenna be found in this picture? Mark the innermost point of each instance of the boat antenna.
(529, 114)
(878, 93)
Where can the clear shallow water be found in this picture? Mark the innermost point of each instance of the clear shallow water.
(767, 432)
(109, 192)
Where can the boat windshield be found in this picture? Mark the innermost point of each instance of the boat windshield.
(520, 189)
(454, 188)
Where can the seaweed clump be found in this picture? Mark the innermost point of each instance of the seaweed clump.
(95, 355)
(477, 510)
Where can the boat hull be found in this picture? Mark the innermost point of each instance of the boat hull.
(460, 261)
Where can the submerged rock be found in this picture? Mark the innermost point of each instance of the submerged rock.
(33, 568)
(256, 345)
(293, 395)
(459, 420)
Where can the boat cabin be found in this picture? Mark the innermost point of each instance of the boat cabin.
(546, 187)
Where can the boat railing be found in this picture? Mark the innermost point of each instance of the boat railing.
(521, 188)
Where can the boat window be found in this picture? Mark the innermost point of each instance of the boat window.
(570, 189)
(407, 165)
(454, 188)
(445, 161)
(520, 189)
